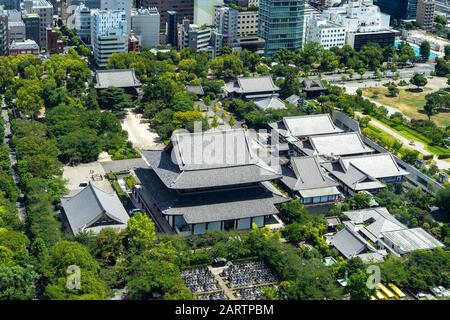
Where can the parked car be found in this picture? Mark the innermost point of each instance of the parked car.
(437, 292)
(83, 184)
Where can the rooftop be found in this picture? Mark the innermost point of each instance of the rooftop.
(380, 165)
(310, 125)
(209, 159)
(306, 174)
(408, 240)
(120, 78)
(24, 45)
(252, 85)
(272, 102)
(344, 144)
(93, 209)
(214, 206)
(348, 243)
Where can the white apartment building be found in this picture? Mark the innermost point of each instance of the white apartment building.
(253, 3)
(145, 24)
(247, 23)
(118, 5)
(109, 34)
(326, 33)
(44, 10)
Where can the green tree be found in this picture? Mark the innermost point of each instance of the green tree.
(357, 286)
(17, 282)
(419, 80)
(443, 199)
(114, 99)
(140, 231)
(81, 145)
(425, 49)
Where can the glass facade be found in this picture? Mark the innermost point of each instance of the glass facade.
(398, 9)
(281, 24)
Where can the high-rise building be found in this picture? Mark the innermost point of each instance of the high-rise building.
(199, 38)
(109, 34)
(44, 10)
(425, 14)
(204, 11)
(4, 39)
(184, 8)
(172, 28)
(225, 22)
(398, 9)
(10, 4)
(16, 26)
(281, 24)
(121, 5)
(247, 23)
(31, 21)
(145, 24)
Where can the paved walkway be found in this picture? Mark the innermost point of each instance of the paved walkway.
(227, 291)
(12, 158)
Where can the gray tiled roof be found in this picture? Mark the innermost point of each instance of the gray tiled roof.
(91, 205)
(344, 144)
(272, 102)
(313, 85)
(310, 125)
(380, 220)
(256, 84)
(178, 167)
(352, 176)
(252, 85)
(380, 165)
(222, 205)
(198, 90)
(293, 99)
(306, 174)
(120, 78)
(348, 243)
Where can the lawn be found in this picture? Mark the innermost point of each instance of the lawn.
(409, 103)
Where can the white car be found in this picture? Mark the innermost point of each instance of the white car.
(437, 292)
(444, 291)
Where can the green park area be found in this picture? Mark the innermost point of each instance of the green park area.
(410, 103)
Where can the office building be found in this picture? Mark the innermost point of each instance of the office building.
(326, 33)
(172, 28)
(4, 39)
(184, 8)
(425, 14)
(31, 21)
(16, 26)
(196, 37)
(225, 22)
(363, 21)
(44, 10)
(281, 24)
(247, 23)
(145, 24)
(109, 34)
(398, 9)
(118, 5)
